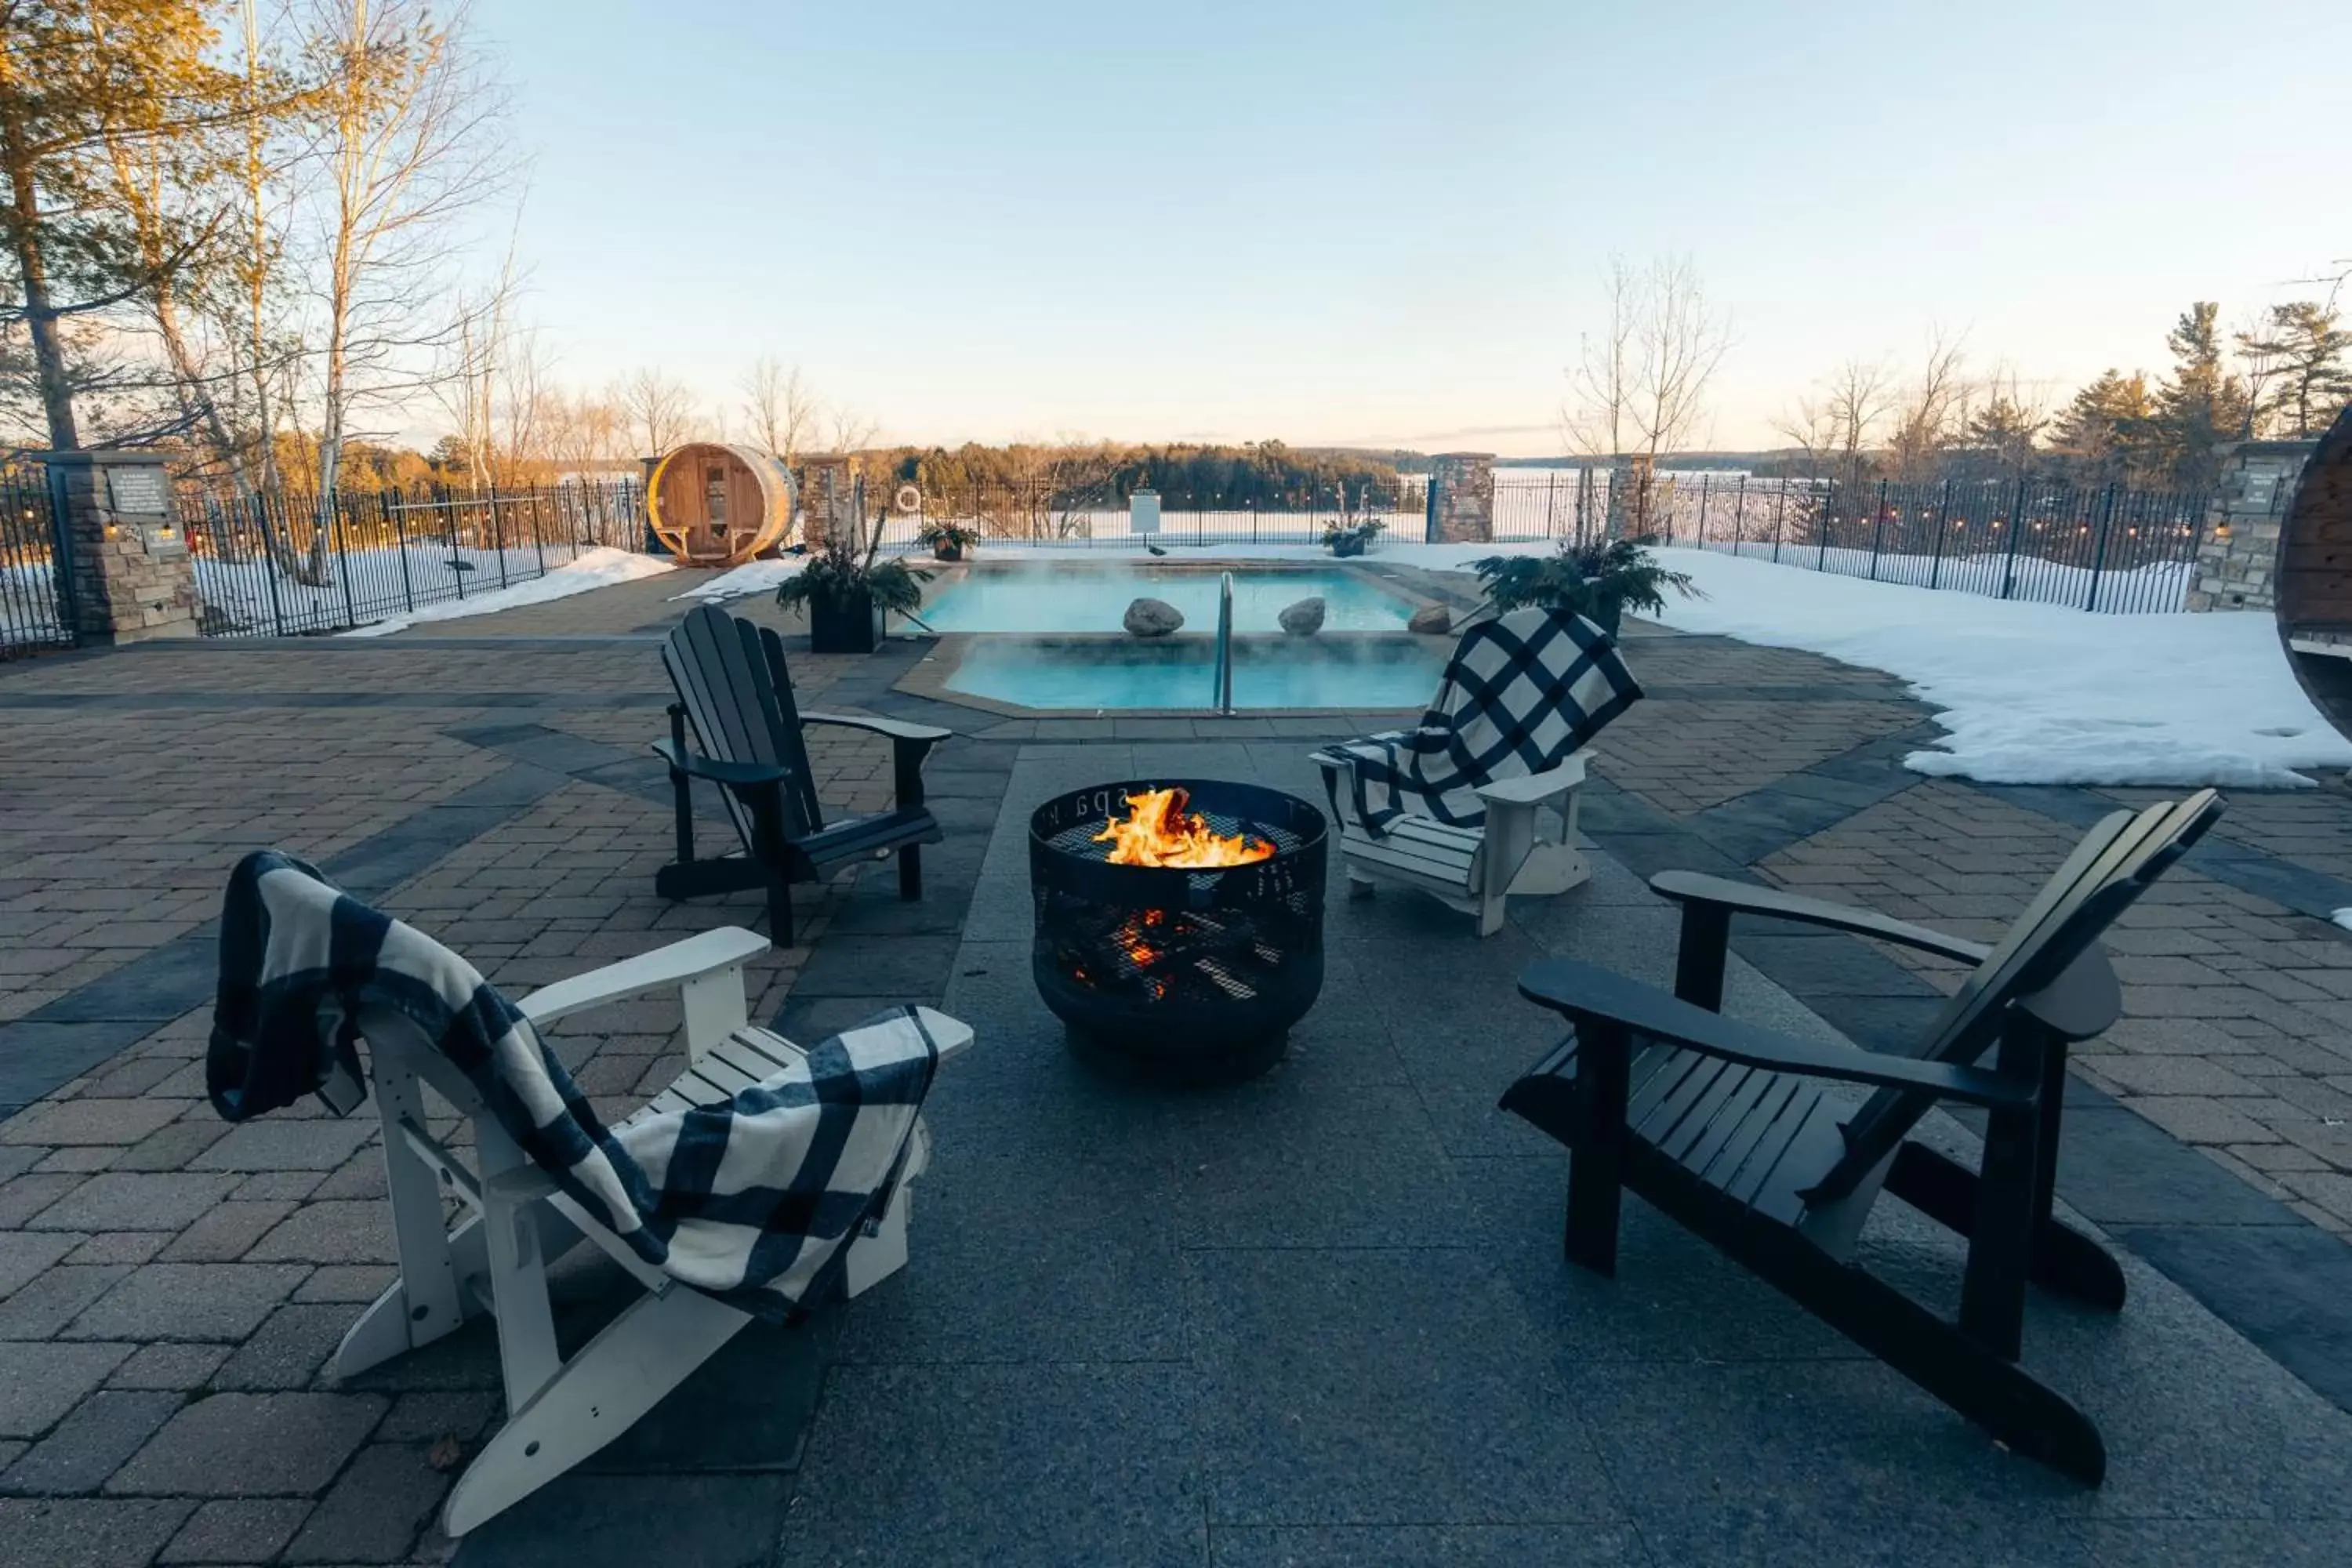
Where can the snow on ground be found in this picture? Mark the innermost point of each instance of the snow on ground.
(597, 567)
(2039, 693)
(751, 577)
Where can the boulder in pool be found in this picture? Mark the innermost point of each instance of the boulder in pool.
(1431, 620)
(1152, 618)
(1303, 619)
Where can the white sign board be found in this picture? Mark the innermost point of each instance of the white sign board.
(138, 490)
(1143, 512)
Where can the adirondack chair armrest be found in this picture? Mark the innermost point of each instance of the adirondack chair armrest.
(742, 775)
(911, 744)
(679, 964)
(1687, 888)
(897, 730)
(1581, 992)
(1534, 789)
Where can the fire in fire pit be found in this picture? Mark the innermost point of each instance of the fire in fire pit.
(1160, 831)
(1181, 923)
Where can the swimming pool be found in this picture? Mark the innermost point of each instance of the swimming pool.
(1037, 596)
(1095, 673)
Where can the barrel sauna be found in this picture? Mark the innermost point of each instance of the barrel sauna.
(713, 505)
(2314, 577)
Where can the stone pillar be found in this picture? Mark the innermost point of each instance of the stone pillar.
(1464, 485)
(829, 504)
(2238, 555)
(132, 575)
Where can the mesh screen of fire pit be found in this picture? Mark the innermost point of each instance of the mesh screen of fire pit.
(1206, 966)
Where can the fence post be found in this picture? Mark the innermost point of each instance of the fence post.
(2016, 518)
(270, 557)
(1739, 515)
(1551, 485)
(1779, 511)
(1943, 509)
(392, 504)
(2099, 553)
(1706, 483)
(538, 529)
(1878, 531)
(497, 533)
(1828, 514)
(1429, 509)
(342, 558)
(448, 506)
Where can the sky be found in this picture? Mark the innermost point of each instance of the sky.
(1371, 224)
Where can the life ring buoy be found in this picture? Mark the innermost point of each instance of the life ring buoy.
(908, 499)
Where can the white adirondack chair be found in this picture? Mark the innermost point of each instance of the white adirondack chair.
(559, 1411)
(1522, 697)
(1474, 870)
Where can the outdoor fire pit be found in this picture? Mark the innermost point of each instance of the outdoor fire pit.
(1202, 942)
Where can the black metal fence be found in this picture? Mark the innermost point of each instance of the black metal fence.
(36, 607)
(283, 564)
(2093, 547)
(1089, 516)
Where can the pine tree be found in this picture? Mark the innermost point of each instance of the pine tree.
(73, 73)
(2202, 404)
(2307, 341)
(2105, 433)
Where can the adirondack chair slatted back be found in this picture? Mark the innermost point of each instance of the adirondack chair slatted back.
(730, 679)
(2112, 867)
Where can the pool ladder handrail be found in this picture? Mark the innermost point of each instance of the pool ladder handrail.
(1224, 673)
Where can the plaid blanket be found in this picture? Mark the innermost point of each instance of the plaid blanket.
(754, 1200)
(1520, 693)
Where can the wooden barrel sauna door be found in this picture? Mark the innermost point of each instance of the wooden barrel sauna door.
(2314, 577)
(713, 505)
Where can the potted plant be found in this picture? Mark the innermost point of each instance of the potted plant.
(848, 594)
(947, 541)
(1351, 541)
(1595, 581)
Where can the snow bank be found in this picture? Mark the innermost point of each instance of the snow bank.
(751, 577)
(2038, 693)
(598, 567)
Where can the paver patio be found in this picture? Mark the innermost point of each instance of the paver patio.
(1320, 1318)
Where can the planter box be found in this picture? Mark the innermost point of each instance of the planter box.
(946, 552)
(845, 625)
(1350, 545)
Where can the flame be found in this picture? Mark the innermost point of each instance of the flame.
(1159, 831)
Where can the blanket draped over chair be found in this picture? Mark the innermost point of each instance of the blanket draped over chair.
(752, 1200)
(1520, 693)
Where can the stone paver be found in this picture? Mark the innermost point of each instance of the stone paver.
(171, 1288)
(252, 1445)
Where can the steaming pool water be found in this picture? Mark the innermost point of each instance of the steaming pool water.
(1051, 639)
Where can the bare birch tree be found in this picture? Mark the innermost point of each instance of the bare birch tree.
(1930, 418)
(406, 147)
(659, 408)
(1597, 419)
(779, 405)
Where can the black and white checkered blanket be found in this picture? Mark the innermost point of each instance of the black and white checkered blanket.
(1521, 692)
(754, 1200)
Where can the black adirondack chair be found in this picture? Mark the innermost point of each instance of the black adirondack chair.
(1727, 1128)
(735, 697)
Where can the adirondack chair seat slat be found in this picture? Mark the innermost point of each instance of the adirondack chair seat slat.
(1744, 1137)
(736, 724)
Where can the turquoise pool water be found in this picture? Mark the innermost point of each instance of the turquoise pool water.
(1041, 597)
(1090, 673)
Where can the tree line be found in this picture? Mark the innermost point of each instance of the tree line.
(2284, 371)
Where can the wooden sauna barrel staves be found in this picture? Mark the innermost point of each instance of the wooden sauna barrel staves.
(714, 505)
(2314, 576)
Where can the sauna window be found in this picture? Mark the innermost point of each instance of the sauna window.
(715, 484)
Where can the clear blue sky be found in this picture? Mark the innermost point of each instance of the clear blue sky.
(1367, 223)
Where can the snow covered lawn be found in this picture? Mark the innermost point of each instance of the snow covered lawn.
(2038, 693)
(597, 567)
